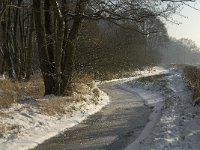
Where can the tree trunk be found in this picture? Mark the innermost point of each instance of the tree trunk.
(49, 29)
(57, 79)
(60, 24)
(30, 49)
(42, 47)
(7, 55)
(70, 48)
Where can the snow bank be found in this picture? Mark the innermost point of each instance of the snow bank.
(153, 95)
(140, 73)
(31, 128)
(177, 126)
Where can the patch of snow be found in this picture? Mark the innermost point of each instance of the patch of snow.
(140, 73)
(32, 128)
(152, 96)
(178, 127)
(2, 77)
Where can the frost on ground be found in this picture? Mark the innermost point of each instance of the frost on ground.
(174, 123)
(139, 73)
(31, 121)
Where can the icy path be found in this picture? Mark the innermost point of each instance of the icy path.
(179, 125)
(33, 128)
(112, 128)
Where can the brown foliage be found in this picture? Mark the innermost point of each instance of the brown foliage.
(13, 90)
(192, 76)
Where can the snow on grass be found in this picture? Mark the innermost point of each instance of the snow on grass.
(151, 87)
(2, 77)
(153, 91)
(29, 123)
(24, 126)
(140, 73)
(178, 124)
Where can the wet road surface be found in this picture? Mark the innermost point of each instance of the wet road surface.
(113, 128)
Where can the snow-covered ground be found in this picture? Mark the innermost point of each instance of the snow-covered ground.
(138, 74)
(29, 127)
(174, 123)
(24, 126)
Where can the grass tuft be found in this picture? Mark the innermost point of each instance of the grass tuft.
(156, 79)
(54, 105)
(4, 129)
(12, 90)
(192, 78)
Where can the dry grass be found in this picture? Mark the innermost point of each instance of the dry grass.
(54, 105)
(109, 76)
(4, 129)
(96, 95)
(82, 84)
(5, 115)
(12, 90)
(82, 79)
(192, 77)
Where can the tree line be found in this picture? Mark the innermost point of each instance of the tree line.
(182, 51)
(63, 37)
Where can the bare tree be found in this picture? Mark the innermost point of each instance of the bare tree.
(17, 38)
(58, 23)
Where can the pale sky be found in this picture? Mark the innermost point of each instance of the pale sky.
(189, 27)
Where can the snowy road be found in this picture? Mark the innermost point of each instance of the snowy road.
(178, 127)
(153, 113)
(113, 128)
